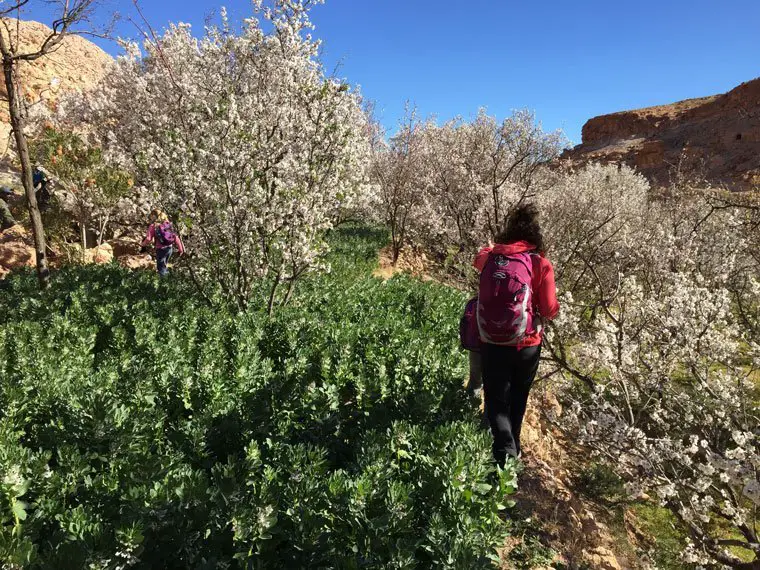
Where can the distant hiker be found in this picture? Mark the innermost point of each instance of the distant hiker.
(41, 184)
(161, 233)
(516, 294)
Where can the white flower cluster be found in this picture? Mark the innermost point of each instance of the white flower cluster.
(657, 345)
(449, 188)
(245, 136)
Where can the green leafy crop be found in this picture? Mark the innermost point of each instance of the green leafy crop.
(141, 427)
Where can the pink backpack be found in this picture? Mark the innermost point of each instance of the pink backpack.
(165, 234)
(505, 305)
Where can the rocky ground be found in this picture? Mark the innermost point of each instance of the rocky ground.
(17, 251)
(17, 244)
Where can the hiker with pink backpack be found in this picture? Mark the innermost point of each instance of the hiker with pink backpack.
(161, 233)
(505, 324)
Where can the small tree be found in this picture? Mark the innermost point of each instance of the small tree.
(508, 161)
(70, 14)
(457, 207)
(91, 187)
(450, 188)
(398, 174)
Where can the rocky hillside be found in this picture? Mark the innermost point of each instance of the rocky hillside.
(74, 66)
(715, 137)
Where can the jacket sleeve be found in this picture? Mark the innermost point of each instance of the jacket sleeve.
(481, 258)
(548, 306)
(149, 236)
(179, 244)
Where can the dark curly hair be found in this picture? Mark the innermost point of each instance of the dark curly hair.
(523, 225)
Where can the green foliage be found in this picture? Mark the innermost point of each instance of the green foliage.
(141, 427)
(600, 482)
(531, 552)
(80, 166)
(668, 534)
(93, 186)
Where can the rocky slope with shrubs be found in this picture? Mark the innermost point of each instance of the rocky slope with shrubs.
(76, 65)
(715, 138)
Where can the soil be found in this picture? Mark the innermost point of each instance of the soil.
(583, 533)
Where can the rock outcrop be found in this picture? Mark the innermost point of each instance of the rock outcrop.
(98, 255)
(714, 138)
(16, 250)
(75, 65)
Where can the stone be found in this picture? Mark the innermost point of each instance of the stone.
(16, 250)
(601, 558)
(144, 261)
(6, 217)
(123, 247)
(94, 255)
(101, 254)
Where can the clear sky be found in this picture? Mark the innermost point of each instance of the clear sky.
(566, 60)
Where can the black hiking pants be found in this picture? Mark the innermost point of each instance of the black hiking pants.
(508, 374)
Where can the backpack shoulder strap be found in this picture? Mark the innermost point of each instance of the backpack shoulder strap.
(521, 258)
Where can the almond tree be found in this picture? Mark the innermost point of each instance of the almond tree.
(452, 196)
(245, 139)
(70, 14)
(515, 153)
(470, 175)
(656, 349)
(398, 173)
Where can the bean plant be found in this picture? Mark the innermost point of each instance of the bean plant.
(142, 427)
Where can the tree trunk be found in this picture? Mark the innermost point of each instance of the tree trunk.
(103, 224)
(273, 293)
(83, 230)
(289, 294)
(17, 124)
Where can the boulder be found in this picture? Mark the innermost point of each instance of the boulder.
(101, 254)
(601, 558)
(6, 217)
(143, 261)
(125, 247)
(94, 255)
(76, 65)
(16, 250)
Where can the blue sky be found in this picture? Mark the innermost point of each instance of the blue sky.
(566, 60)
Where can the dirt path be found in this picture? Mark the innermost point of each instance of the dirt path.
(579, 530)
(571, 525)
